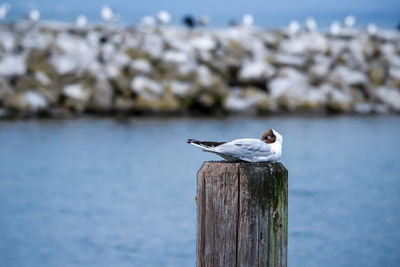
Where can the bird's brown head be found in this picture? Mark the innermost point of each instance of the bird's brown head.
(268, 137)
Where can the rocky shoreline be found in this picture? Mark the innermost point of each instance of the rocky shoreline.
(62, 70)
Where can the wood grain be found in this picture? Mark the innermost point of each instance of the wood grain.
(242, 214)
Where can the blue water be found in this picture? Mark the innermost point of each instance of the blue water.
(102, 192)
(266, 13)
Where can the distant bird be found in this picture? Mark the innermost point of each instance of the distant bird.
(372, 29)
(350, 21)
(268, 148)
(107, 14)
(247, 20)
(204, 20)
(335, 28)
(4, 8)
(311, 24)
(294, 27)
(34, 15)
(189, 21)
(148, 21)
(81, 21)
(233, 23)
(163, 17)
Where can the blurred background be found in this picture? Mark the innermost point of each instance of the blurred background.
(97, 100)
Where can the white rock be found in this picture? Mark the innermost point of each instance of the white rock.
(171, 56)
(153, 44)
(345, 76)
(102, 94)
(204, 76)
(77, 54)
(390, 96)
(34, 100)
(394, 73)
(111, 71)
(363, 108)
(141, 65)
(341, 97)
(146, 87)
(255, 71)
(289, 60)
(121, 59)
(337, 46)
(239, 100)
(12, 65)
(308, 41)
(42, 78)
(37, 40)
(76, 91)
(64, 64)
(8, 41)
(180, 88)
(203, 42)
(289, 82)
(177, 40)
(186, 68)
(108, 51)
(320, 68)
(389, 35)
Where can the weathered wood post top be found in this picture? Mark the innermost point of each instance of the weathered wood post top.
(242, 214)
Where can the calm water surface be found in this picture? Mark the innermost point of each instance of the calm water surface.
(93, 192)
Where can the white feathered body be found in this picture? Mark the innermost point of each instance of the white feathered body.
(247, 149)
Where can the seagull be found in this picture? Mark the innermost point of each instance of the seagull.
(163, 17)
(372, 29)
(311, 24)
(81, 21)
(204, 20)
(247, 20)
(335, 28)
(34, 15)
(107, 13)
(294, 27)
(4, 8)
(267, 148)
(148, 21)
(349, 21)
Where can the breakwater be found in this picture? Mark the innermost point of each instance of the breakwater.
(61, 70)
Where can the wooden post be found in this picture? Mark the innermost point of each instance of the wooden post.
(242, 214)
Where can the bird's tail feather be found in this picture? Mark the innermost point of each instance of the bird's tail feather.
(205, 143)
(209, 146)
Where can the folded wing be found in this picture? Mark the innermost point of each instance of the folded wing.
(251, 150)
(246, 149)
